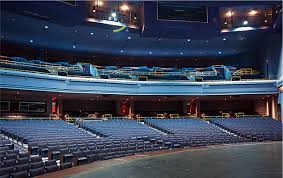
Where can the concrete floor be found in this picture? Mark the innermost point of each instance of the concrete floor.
(255, 160)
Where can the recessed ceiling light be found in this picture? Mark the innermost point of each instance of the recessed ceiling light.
(129, 37)
(219, 52)
(121, 51)
(31, 41)
(181, 53)
(91, 33)
(150, 52)
(46, 27)
(224, 39)
(74, 46)
(188, 39)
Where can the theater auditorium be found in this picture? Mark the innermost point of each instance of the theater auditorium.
(141, 89)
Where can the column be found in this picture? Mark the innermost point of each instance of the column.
(197, 107)
(267, 107)
(117, 108)
(185, 106)
(274, 107)
(131, 108)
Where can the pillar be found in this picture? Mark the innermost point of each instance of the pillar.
(131, 108)
(185, 106)
(197, 107)
(274, 107)
(280, 101)
(60, 107)
(267, 107)
(117, 108)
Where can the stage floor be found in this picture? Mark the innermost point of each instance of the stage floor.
(254, 160)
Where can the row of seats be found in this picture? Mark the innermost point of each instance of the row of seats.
(255, 128)
(118, 128)
(193, 132)
(32, 169)
(72, 146)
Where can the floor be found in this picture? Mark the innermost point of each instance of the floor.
(252, 160)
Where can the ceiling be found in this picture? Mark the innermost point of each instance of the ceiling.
(56, 26)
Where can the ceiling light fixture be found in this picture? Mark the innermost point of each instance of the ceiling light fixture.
(253, 12)
(229, 14)
(219, 52)
(91, 33)
(150, 52)
(46, 27)
(100, 3)
(124, 7)
(188, 39)
(224, 39)
(121, 51)
(31, 41)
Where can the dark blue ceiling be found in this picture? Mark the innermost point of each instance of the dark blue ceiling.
(59, 26)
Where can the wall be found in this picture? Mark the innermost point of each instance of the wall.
(22, 97)
(83, 107)
(158, 107)
(270, 55)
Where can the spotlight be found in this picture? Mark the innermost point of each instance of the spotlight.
(265, 20)
(129, 37)
(219, 52)
(93, 10)
(181, 53)
(150, 52)
(188, 39)
(121, 51)
(124, 7)
(113, 14)
(31, 41)
(46, 27)
(245, 22)
(253, 12)
(74, 46)
(224, 39)
(91, 33)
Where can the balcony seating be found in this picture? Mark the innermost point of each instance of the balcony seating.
(255, 129)
(219, 72)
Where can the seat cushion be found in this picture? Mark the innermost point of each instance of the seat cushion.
(23, 167)
(36, 172)
(52, 168)
(22, 174)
